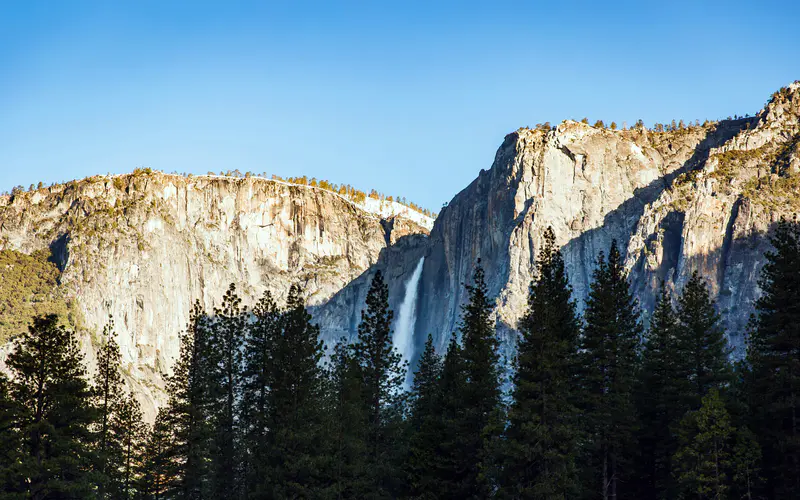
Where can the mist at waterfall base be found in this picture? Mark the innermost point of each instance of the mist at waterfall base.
(406, 318)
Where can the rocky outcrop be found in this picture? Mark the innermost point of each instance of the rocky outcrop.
(143, 247)
(701, 198)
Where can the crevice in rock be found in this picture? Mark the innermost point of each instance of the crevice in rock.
(727, 242)
(388, 225)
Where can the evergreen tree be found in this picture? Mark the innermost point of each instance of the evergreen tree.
(189, 445)
(254, 409)
(747, 480)
(703, 461)
(382, 373)
(156, 471)
(610, 365)
(451, 470)
(107, 395)
(542, 436)
(130, 433)
(54, 414)
(473, 406)
(296, 434)
(426, 424)
(348, 425)
(774, 353)
(704, 341)
(10, 445)
(226, 338)
(661, 399)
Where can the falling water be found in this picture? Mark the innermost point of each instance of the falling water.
(404, 328)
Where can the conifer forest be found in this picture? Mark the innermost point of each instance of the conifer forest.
(596, 404)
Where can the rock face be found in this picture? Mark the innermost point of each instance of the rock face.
(143, 247)
(701, 198)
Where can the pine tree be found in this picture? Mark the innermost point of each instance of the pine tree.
(53, 399)
(10, 445)
(296, 434)
(747, 480)
(474, 405)
(156, 470)
(107, 395)
(704, 341)
(187, 419)
(254, 409)
(348, 425)
(226, 338)
(541, 441)
(383, 374)
(662, 399)
(703, 462)
(451, 470)
(774, 353)
(426, 424)
(130, 432)
(610, 365)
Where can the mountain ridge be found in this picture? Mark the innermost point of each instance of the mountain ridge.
(142, 247)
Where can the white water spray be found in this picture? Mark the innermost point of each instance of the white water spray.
(404, 328)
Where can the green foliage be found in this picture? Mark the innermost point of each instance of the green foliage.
(348, 425)
(610, 366)
(541, 442)
(425, 405)
(703, 462)
(28, 288)
(382, 373)
(774, 354)
(156, 467)
(53, 415)
(478, 416)
(704, 346)
(108, 396)
(129, 434)
(661, 399)
(223, 375)
(451, 475)
(254, 412)
(186, 457)
(296, 464)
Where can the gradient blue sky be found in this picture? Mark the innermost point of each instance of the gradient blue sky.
(409, 98)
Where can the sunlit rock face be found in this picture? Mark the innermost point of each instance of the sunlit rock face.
(142, 248)
(702, 198)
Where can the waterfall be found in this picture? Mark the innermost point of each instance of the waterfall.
(404, 328)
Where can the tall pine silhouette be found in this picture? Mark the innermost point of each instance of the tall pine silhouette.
(662, 399)
(54, 415)
(472, 404)
(426, 424)
(295, 422)
(704, 342)
(774, 354)
(542, 437)
(382, 374)
(610, 364)
(188, 419)
(254, 410)
(226, 338)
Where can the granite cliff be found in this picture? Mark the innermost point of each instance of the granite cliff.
(694, 198)
(142, 247)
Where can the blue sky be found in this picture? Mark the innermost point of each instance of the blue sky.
(409, 98)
